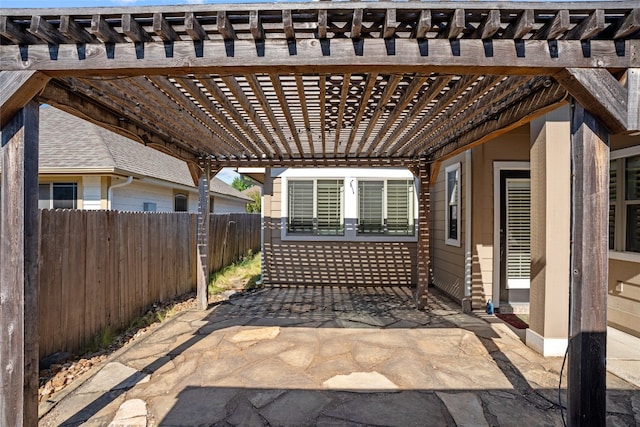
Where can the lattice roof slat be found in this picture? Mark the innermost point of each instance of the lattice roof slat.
(319, 82)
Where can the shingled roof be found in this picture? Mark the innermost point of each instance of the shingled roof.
(69, 144)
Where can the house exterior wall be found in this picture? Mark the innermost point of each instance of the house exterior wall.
(92, 192)
(510, 147)
(304, 261)
(132, 197)
(448, 260)
(623, 302)
(224, 205)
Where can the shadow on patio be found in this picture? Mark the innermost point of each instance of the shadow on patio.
(329, 356)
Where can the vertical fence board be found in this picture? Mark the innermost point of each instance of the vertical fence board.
(101, 269)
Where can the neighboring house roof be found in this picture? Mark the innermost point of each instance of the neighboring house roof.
(68, 143)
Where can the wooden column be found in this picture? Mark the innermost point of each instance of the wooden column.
(424, 256)
(589, 270)
(202, 243)
(19, 228)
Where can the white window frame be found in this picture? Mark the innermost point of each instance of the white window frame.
(350, 206)
(385, 203)
(315, 207)
(456, 167)
(619, 252)
(76, 201)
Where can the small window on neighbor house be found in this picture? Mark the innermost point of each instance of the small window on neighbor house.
(452, 202)
(316, 207)
(149, 207)
(58, 195)
(211, 204)
(180, 202)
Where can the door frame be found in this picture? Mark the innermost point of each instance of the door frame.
(499, 166)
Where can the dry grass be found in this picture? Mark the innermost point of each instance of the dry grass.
(242, 275)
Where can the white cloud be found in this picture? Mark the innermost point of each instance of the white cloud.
(195, 1)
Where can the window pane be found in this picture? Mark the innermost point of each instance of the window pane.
(180, 203)
(612, 226)
(400, 208)
(633, 228)
(452, 204)
(613, 181)
(330, 193)
(65, 195)
(632, 178)
(44, 196)
(300, 207)
(370, 216)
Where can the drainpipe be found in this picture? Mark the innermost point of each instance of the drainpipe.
(110, 191)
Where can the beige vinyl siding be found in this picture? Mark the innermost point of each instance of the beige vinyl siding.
(224, 205)
(328, 262)
(624, 306)
(132, 197)
(447, 261)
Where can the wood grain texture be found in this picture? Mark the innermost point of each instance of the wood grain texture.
(16, 89)
(600, 92)
(586, 386)
(19, 274)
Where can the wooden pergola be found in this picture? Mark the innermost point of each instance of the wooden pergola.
(318, 84)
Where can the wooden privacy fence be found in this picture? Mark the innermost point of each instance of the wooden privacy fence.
(102, 269)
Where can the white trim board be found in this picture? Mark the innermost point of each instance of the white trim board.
(497, 167)
(548, 347)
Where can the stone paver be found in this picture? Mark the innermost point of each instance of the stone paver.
(465, 408)
(361, 382)
(132, 413)
(328, 357)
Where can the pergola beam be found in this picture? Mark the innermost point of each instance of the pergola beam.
(503, 57)
(605, 97)
(16, 89)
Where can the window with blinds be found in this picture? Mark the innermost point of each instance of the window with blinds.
(330, 194)
(300, 207)
(370, 207)
(386, 207)
(632, 204)
(613, 197)
(452, 213)
(316, 207)
(518, 244)
(400, 207)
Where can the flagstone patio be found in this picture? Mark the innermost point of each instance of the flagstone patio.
(328, 357)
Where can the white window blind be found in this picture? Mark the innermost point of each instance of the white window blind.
(518, 245)
(400, 207)
(370, 207)
(300, 206)
(329, 207)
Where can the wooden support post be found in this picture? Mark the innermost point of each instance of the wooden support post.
(202, 243)
(424, 256)
(19, 228)
(589, 270)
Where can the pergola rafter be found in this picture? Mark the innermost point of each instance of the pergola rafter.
(321, 84)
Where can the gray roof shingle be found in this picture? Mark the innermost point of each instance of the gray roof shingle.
(68, 142)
